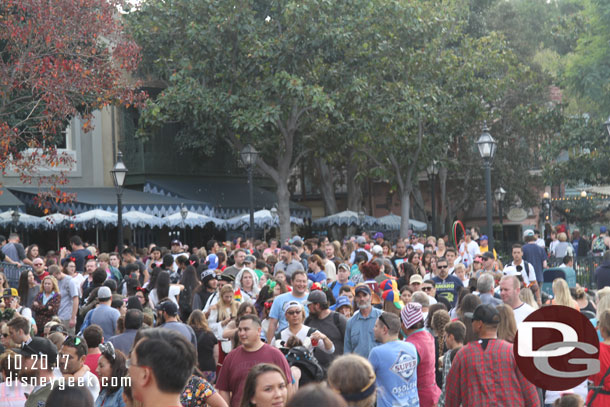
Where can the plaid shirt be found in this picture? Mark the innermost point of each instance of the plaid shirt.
(488, 377)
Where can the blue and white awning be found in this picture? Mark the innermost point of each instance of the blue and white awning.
(346, 218)
(24, 220)
(105, 198)
(192, 220)
(262, 219)
(392, 222)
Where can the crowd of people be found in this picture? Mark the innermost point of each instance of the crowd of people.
(361, 322)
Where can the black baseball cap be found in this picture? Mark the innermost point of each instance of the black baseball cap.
(486, 313)
(488, 255)
(39, 346)
(316, 297)
(168, 307)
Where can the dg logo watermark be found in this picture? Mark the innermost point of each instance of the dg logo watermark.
(556, 348)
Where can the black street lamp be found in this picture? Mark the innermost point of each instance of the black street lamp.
(500, 193)
(487, 149)
(183, 214)
(249, 155)
(432, 171)
(546, 207)
(119, 172)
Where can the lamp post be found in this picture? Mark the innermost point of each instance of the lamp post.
(487, 149)
(361, 220)
(500, 193)
(183, 214)
(119, 172)
(15, 220)
(432, 171)
(249, 155)
(546, 207)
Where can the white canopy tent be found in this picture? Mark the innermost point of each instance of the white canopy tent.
(262, 219)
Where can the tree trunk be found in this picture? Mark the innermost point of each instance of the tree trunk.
(283, 198)
(354, 188)
(419, 209)
(442, 176)
(326, 185)
(405, 207)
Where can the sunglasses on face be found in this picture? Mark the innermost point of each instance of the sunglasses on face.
(383, 321)
(5, 335)
(293, 312)
(441, 267)
(426, 288)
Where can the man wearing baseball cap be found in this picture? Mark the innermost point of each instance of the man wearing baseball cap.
(32, 354)
(330, 323)
(415, 282)
(167, 312)
(484, 372)
(484, 246)
(104, 315)
(359, 332)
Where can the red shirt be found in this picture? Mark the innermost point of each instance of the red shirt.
(604, 361)
(91, 361)
(237, 364)
(488, 377)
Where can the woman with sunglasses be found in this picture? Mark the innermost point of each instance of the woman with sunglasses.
(309, 337)
(111, 369)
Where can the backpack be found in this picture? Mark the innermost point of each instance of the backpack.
(311, 371)
(598, 245)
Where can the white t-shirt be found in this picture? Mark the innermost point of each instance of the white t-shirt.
(529, 276)
(469, 252)
(89, 381)
(302, 335)
(174, 291)
(79, 278)
(522, 312)
(331, 270)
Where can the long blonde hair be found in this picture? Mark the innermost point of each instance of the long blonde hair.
(527, 296)
(562, 293)
(222, 306)
(507, 328)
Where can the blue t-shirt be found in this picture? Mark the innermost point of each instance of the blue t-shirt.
(448, 288)
(319, 277)
(277, 309)
(106, 317)
(395, 365)
(535, 255)
(335, 286)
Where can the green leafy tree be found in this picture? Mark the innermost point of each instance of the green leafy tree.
(587, 72)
